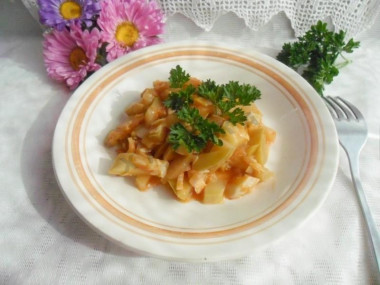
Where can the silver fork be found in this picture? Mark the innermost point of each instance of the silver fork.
(352, 132)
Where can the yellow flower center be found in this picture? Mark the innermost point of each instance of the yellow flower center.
(77, 58)
(70, 10)
(126, 34)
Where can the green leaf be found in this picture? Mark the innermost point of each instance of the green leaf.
(180, 136)
(189, 115)
(237, 116)
(202, 128)
(177, 100)
(209, 90)
(228, 96)
(178, 77)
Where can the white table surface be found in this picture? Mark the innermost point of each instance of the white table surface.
(42, 240)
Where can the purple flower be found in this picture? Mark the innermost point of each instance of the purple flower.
(60, 13)
(127, 25)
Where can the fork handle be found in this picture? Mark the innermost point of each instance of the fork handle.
(353, 158)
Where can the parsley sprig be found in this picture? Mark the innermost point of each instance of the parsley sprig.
(180, 136)
(228, 96)
(198, 131)
(201, 130)
(177, 100)
(193, 131)
(315, 54)
(178, 77)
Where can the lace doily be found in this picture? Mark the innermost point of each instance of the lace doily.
(353, 16)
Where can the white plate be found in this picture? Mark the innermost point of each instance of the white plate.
(304, 157)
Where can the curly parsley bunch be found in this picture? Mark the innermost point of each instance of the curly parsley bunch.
(315, 53)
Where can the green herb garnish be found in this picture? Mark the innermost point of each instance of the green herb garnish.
(178, 77)
(193, 131)
(198, 131)
(177, 100)
(202, 130)
(180, 136)
(315, 53)
(228, 96)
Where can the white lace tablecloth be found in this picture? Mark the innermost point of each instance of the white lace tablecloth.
(353, 16)
(42, 240)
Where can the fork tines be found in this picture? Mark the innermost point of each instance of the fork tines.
(342, 109)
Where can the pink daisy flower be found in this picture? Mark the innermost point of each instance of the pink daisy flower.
(129, 25)
(70, 55)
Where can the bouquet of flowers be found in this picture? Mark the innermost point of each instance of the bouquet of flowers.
(87, 34)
